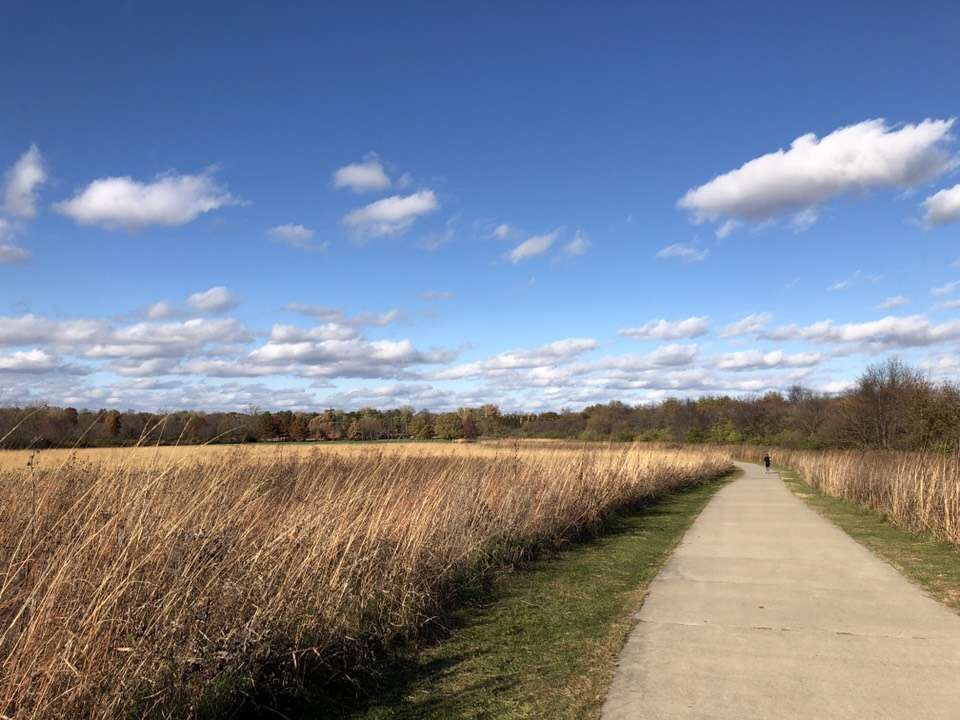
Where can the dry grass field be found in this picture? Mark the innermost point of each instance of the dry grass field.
(156, 582)
(916, 491)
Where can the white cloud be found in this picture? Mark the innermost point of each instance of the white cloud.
(12, 254)
(892, 302)
(21, 183)
(946, 289)
(664, 330)
(756, 360)
(391, 216)
(363, 176)
(326, 352)
(436, 295)
(293, 235)
(122, 202)
(328, 314)
(27, 361)
(943, 207)
(544, 356)
(99, 339)
(855, 158)
(216, 299)
(889, 332)
(579, 245)
(684, 253)
(167, 340)
(159, 310)
(502, 232)
(532, 246)
(949, 305)
(664, 356)
(747, 325)
(30, 329)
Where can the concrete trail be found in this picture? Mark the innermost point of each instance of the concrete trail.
(766, 610)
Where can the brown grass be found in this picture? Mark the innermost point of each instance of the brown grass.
(916, 491)
(130, 583)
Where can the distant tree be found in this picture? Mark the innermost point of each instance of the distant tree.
(421, 426)
(354, 431)
(111, 423)
(266, 428)
(448, 426)
(470, 429)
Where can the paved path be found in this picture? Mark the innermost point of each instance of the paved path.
(766, 610)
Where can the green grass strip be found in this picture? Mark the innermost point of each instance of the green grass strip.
(931, 563)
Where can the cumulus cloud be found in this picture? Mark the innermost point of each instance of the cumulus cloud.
(294, 235)
(363, 176)
(888, 332)
(747, 325)
(683, 253)
(21, 183)
(323, 352)
(813, 170)
(532, 246)
(502, 232)
(756, 360)
(167, 340)
(27, 361)
(328, 314)
(216, 299)
(673, 355)
(399, 394)
(545, 355)
(392, 215)
(579, 245)
(942, 207)
(99, 339)
(892, 302)
(159, 310)
(122, 202)
(664, 330)
(31, 329)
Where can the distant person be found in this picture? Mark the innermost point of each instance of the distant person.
(766, 462)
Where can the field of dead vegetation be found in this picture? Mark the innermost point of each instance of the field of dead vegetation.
(160, 582)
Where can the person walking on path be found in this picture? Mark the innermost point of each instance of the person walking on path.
(766, 462)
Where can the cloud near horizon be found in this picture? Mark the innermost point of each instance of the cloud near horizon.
(664, 330)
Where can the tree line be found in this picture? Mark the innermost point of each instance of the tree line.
(892, 405)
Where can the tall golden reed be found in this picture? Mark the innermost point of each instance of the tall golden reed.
(917, 491)
(127, 587)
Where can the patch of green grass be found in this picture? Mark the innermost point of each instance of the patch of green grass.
(931, 563)
(539, 642)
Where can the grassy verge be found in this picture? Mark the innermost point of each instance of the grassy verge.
(932, 563)
(538, 643)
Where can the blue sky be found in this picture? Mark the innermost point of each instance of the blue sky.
(225, 206)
